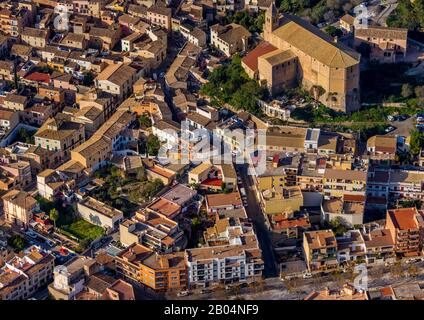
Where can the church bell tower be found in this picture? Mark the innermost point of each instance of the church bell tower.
(271, 20)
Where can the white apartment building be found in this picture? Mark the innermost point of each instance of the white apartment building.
(276, 109)
(69, 278)
(224, 264)
(194, 35)
(396, 184)
(407, 184)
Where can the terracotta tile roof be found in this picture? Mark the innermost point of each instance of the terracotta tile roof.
(217, 200)
(348, 19)
(38, 77)
(385, 144)
(382, 32)
(251, 59)
(404, 218)
(165, 207)
(345, 174)
(378, 238)
(33, 32)
(120, 290)
(320, 239)
(353, 198)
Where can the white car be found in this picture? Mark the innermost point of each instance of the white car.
(183, 293)
(307, 275)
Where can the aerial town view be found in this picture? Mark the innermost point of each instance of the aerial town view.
(189, 150)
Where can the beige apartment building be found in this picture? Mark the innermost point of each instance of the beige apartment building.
(160, 272)
(97, 151)
(338, 182)
(347, 23)
(60, 134)
(93, 154)
(6, 70)
(117, 79)
(90, 8)
(12, 21)
(330, 70)
(18, 207)
(286, 200)
(159, 15)
(320, 250)
(33, 37)
(74, 40)
(406, 226)
(387, 45)
(15, 102)
(229, 39)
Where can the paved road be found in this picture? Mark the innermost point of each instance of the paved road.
(275, 289)
(403, 128)
(254, 212)
(382, 17)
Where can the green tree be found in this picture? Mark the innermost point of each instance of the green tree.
(153, 145)
(416, 142)
(88, 79)
(54, 215)
(252, 21)
(144, 120)
(338, 227)
(24, 136)
(84, 244)
(408, 14)
(333, 31)
(230, 84)
(17, 242)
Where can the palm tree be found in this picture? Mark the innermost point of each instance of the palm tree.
(54, 215)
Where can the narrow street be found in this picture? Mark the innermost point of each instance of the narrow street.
(254, 212)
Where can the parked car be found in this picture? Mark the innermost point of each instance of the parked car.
(389, 129)
(307, 275)
(205, 291)
(96, 246)
(50, 243)
(183, 293)
(243, 192)
(31, 234)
